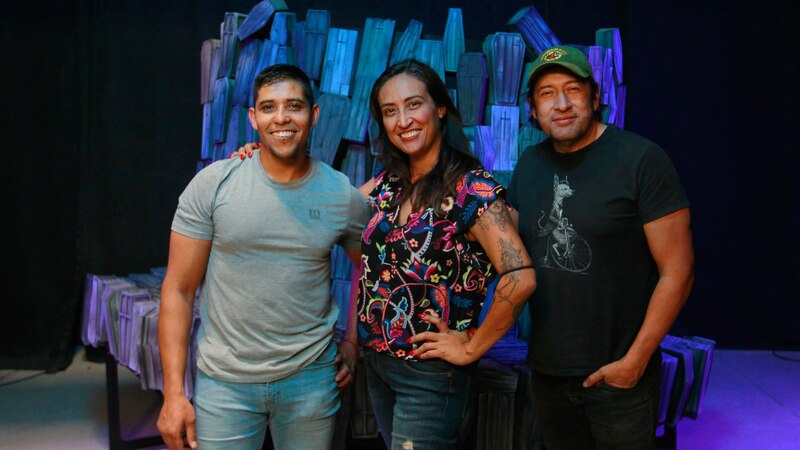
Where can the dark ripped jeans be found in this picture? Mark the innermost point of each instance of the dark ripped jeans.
(418, 404)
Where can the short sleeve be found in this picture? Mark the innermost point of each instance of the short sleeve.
(660, 191)
(357, 217)
(474, 193)
(193, 217)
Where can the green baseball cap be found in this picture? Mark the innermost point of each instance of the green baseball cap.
(562, 55)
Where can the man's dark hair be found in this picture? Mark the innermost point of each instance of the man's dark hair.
(283, 72)
(593, 89)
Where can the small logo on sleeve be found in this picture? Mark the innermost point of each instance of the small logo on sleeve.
(314, 214)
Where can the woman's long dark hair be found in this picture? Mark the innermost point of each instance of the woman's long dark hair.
(455, 155)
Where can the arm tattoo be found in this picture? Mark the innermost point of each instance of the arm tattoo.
(509, 257)
(497, 214)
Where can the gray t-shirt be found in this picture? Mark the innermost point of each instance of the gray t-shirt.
(266, 308)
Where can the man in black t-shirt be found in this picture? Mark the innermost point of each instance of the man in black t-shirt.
(606, 222)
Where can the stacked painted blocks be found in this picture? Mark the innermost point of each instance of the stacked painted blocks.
(488, 82)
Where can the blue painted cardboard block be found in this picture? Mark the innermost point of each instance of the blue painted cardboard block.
(620, 117)
(453, 94)
(469, 132)
(207, 141)
(431, 52)
(372, 60)
(524, 106)
(595, 57)
(669, 368)
(610, 38)
(373, 130)
(235, 136)
(208, 73)
(219, 151)
(245, 72)
(340, 55)
(534, 30)
(250, 134)
(453, 39)
(258, 17)
(286, 55)
(355, 165)
(608, 90)
(316, 34)
(684, 378)
(299, 45)
(230, 44)
(703, 351)
(483, 146)
(505, 130)
(505, 54)
(220, 110)
(407, 44)
(471, 83)
(327, 133)
(282, 27)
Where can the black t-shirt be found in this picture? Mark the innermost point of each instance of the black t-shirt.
(581, 218)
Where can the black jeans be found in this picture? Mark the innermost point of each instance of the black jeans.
(599, 417)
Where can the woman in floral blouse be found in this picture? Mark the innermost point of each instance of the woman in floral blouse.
(439, 235)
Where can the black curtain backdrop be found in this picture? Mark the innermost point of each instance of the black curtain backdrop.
(102, 133)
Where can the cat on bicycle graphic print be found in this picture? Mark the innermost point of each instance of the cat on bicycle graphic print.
(566, 249)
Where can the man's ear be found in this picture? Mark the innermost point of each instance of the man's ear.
(251, 114)
(532, 107)
(314, 114)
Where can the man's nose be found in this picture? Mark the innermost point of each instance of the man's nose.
(281, 115)
(562, 101)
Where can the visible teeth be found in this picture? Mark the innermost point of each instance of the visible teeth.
(409, 134)
(283, 134)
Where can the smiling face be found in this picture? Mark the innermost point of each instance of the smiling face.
(563, 105)
(411, 118)
(283, 118)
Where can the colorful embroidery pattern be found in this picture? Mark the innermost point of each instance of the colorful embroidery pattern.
(425, 266)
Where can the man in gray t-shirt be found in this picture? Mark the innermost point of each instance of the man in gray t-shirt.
(258, 234)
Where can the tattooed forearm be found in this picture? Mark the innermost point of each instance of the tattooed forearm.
(503, 294)
(510, 258)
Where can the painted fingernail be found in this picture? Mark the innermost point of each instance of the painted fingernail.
(411, 353)
(249, 154)
(241, 155)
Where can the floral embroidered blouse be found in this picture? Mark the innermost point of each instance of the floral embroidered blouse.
(427, 265)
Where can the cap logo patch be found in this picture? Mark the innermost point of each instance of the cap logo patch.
(553, 54)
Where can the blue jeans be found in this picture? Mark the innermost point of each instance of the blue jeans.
(300, 409)
(417, 404)
(599, 417)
